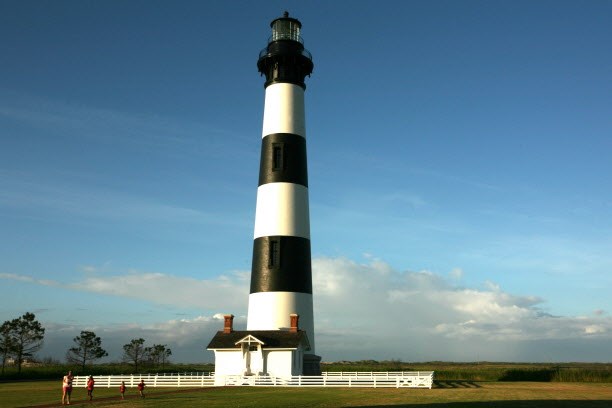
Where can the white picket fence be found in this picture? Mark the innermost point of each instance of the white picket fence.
(151, 380)
(423, 379)
(398, 379)
(411, 379)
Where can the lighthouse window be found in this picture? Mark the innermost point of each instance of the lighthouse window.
(277, 156)
(274, 256)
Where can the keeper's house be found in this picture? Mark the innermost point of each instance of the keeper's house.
(278, 353)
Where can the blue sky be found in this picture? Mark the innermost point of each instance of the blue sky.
(459, 173)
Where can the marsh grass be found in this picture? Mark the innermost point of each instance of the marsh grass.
(574, 374)
(488, 371)
(51, 371)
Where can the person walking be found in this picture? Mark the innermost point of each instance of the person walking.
(141, 387)
(90, 387)
(67, 388)
(122, 389)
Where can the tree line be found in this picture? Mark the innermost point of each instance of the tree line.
(22, 337)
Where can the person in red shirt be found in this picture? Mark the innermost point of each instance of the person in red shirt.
(122, 389)
(90, 387)
(141, 387)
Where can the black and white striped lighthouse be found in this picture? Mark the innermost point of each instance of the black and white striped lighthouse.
(281, 274)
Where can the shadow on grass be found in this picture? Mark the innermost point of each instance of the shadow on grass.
(500, 404)
(541, 375)
(455, 384)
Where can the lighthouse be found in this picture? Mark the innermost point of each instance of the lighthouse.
(281, 273)
(279, 339)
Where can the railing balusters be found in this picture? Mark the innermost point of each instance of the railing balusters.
(418, 379)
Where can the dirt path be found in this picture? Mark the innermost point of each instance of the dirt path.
(106, 399)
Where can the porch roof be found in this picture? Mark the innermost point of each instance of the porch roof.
(271, 339)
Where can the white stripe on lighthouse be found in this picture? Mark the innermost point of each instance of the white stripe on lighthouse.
(282, 209)
(284, 110)
(270, 311)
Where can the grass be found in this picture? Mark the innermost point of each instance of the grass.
(458, 385)
(448, 395)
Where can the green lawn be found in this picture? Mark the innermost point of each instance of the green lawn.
(448, 395)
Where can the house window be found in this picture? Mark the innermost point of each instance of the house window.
(274, 255)
(278, 156)
(253, 348)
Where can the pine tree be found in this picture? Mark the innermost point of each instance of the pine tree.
(135, 353)
(88, 348)
(27, 334)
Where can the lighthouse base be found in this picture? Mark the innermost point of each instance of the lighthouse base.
(312, 364)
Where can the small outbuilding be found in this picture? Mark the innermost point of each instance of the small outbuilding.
(278, 353)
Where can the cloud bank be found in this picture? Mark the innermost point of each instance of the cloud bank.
(366, 310)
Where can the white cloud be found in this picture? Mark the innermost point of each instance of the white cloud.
(171, 290)
(139, 132)
(594, 329)
(28, 279)
(23, 191)
(456, 273)
(368, 310)
(187, 338)
(158, 288)
(375, 304)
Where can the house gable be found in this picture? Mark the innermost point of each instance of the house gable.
(250, 340)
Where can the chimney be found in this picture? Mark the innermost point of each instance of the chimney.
(294, 323)
(228, 324)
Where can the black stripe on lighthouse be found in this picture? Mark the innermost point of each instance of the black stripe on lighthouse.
(281, 264)
(283, 159)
